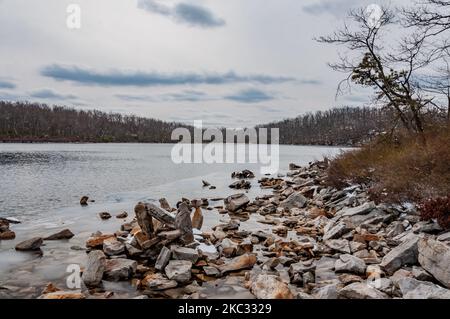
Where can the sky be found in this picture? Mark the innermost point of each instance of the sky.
(229, 63)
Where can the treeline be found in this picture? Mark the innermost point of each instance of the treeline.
(338, 126)
(31, 122)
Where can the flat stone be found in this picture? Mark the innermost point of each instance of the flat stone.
(163, 259)
(61, 295)
(404, 254)
(234, 202)
(63, 234)
(302, 267)
(159, 282)
(122, 215)
(340, 245)
(270, 287)
(434, 257)
(104, 215)
(179, 270)
(359, 210)
(360, 290)
(183, 253)
(325, 270)
(211, 271)
(415, 289)
(330, 291)
(337, 231)
(246, 261)
(95, 267)
(30, 244)
(295, 200)
(351, 264)
(113, 247)
(97, 240)
(119, 269)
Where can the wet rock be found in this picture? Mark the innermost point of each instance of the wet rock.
(119, 269)
(340, 245)
(415, 289)
(63, 234)
(359, 290)
(270, 287)
(293, 167)
(179, 270)
(244, 174)
(205, 183)
(351, 264)
(234, 202)
(104, 215)
(30, 244)
(242, 184)
(163, 259)
(246, 261)
(184, 224)
(84, 201)
(7, 235)
(336, 231)
(183, 253)
(96, 241)
(113, 247)
(95, 267)
(61, 295)
(434, 257)
(404, 254)
(296, 200)
(122, 215)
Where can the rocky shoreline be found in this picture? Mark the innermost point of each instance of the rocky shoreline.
(323, 243)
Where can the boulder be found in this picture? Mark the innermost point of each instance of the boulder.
(163, 259)
(119, 269)
(184, 253)
(270, 287)
(351, 264)
(104, 215)
(242, 184)
(295, 200)
(30, 244)
(84, 200)
(7, 235)
(404, 254)
(113, 247)
(179, 270)
(122, 215)
(360, 290)
(434, 257)
(95, 267)
(234, 202)
(63, 234)
(414, 289)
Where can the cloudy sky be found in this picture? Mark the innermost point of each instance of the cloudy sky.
(231, 63)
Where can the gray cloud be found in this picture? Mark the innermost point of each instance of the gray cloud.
(10, 97)
(51, 95)
(141, 79)
(190, 14)
(337, 8)
(7, 84)
(250, 96)
(185, 96)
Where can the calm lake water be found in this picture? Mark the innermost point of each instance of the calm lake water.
(41, 184)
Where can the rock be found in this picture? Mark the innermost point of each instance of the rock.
(228, 248)
(63, 234)
(234, 202)
(359, 210)
(95, 267)
(61, 295)
(119, 269)
(165, 204)
(325, 270)
(415, 289)
(163, 259)
(113, 247)
(183, 253)
(359, 290)
(104, 215)
(302, 267)
(205, 183)
(347, 279)
(50, 288)
(162, 216)
(270, 287)
(293, 167)
(308, 278)
(84, 201)
(159, 282)
(242, 184)
(197, 219)
(246, 261)
(421, 274)
(30, 244)
(96, 241)
(337, 231)
(296, 200)
(444, 237)
(211, 271)
(326, 292)
(133, 251)
(179, 270)
(170, 235)
(184, 224)
(340, 245)
(434, 257)
(404, 254)
(7, 235)
(144, 220)
(122, 215)
(350, 263)
(244, 174)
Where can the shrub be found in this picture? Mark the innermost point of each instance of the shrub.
(437, 208)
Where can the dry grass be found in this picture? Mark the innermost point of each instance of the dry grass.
(404, 170)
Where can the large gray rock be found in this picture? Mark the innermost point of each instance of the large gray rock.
(340, 245)
(159, 282)
(183, 222)
(295, 200)
(63, 234)
(119, 269)
(184, 253)
(163, 259)
(234, 202)
(179, 270)
(351, 264)
(359, 210)
(325, 271)
(361, 290)
(404, 254)
(302, 267)
(113, 247)
(336, 231)
(95, 267)
(415, 289)
(434, 257)
(326, 292)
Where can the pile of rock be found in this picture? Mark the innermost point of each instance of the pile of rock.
(5, 232)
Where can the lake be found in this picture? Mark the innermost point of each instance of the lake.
(41, 185)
